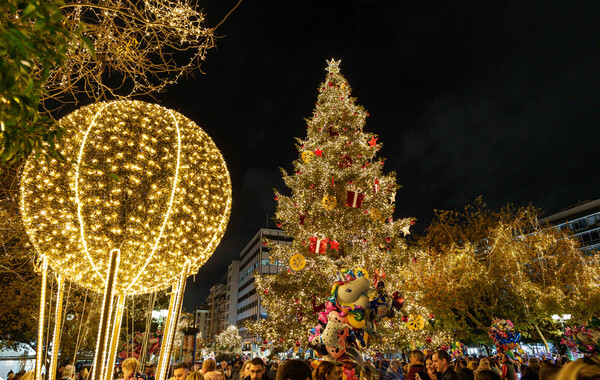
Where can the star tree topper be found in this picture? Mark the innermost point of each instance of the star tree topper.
(333, 67)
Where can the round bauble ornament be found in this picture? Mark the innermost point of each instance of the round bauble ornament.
(329, 202)
(297, 262)
(307, 156)
(136, 178)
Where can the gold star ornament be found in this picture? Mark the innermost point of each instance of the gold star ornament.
(334, 66)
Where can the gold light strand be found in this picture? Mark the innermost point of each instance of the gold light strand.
(146, 179)
(172, 319)
(107, 301)
(41, 322)
(116, 329)
(57, 321)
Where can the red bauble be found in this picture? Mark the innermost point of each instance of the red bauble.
(428, 340)
(388, 239)
(404, 318)
(278, 225)
(298, 344)
(276, 198)
(296, 301)
(264, 243)
(281, 339)
(266, 291)
(412, 222)
(431, 316)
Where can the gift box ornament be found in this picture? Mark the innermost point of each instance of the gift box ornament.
(354, 198)
(318, 244)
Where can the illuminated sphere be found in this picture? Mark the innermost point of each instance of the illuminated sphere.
(136, 177)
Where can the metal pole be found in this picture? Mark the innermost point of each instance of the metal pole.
(57, 321)
(171, 326)
(41, 321)
(116, 330)
(107, 303)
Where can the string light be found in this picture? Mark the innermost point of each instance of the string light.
(57, 322)
(41, 321)
(137, 177)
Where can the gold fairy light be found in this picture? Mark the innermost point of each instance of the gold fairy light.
(136, 177)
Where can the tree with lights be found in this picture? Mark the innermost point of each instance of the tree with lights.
(339, 213)
(228, 344)
(501, 265)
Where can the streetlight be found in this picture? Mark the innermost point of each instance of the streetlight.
(561, 318)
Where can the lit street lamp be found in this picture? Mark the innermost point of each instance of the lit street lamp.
(561, 318)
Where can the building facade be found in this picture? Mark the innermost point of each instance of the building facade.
(233, 273)
(217, 311)
(254, 258)
(201, 320)
(583, 220)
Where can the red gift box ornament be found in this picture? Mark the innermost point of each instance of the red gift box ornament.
(318, 244)
(354, 198)
(376, 186)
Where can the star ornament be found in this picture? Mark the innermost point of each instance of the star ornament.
(334, 66)
(373, 141)
(318, 152)
(334, 244)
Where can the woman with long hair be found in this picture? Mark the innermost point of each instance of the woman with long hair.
(328, 371)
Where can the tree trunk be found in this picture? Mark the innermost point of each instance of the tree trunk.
(542, 336)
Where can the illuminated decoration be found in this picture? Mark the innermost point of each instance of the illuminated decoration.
(170, 328)
(41, 321)
(57, 326)
(332, 235)
(297, 262)
(229, 343)
(145, 46)
(137, 177)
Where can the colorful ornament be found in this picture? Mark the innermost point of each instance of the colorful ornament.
(334, 244)
(375, 214)
(297, 262)
(376, 186)
(354, 198)
(329, 202)
(307, 156)
(415, 322)
(318, 244)
(318, 152)
(345, 162)
(373, 141)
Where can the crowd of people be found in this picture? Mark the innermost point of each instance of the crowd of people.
(436, 366)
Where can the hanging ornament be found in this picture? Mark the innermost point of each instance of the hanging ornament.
(393, 197)
(302, 217)
(373, 141)
(333, 244)
(318, 152)
(329, 202)
(375, 214)
(307, 156)
(354, 198)
(415, 322)
(406, 230)
(376, 186)
(318, 244)
(297, 262)
(345, 162)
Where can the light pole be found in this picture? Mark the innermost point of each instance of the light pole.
(561, 318)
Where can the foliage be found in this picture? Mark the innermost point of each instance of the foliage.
(476, 265)
(228, 344)
(33, 41)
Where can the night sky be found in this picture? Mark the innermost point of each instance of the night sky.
(500, 99)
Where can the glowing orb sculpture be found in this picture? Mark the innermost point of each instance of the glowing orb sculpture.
(136, 177)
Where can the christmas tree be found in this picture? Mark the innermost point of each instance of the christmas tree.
(339, 212)
(228, 344)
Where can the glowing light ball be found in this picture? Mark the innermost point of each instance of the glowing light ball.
(136, 177)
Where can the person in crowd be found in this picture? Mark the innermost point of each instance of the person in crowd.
(548, 371)
(328, 371)
(273, 370)
(194, 375)
(431, 373)
(484, 365)
(293, 370)
(83, 375)
(257, 369)
(441, 362)
(149, 372)
(508, 367)
(209, 370)
(130, 368)
(587, 368)
(180, 371)
(395, 371)
(10, 375)
(458, 364)
(417, 365)
(226, 370)
(68, 372)
(472, 365)
(487, 374)
(117, 373)
(529, 373)
(466, 374)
